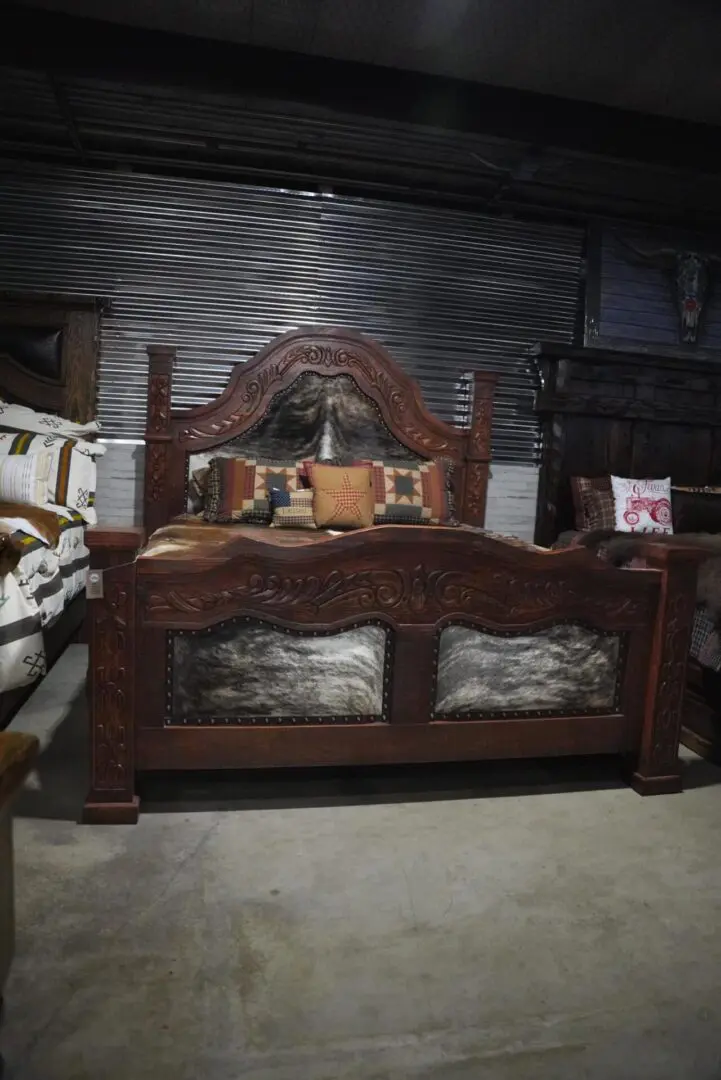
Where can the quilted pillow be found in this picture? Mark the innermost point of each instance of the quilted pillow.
(292, 509)
(593, 502)
(237, 488)
(409, 492)
(342, 496)
(642, 506)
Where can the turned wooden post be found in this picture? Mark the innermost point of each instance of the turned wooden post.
(478, 449)
(156, 509)
(657, 770)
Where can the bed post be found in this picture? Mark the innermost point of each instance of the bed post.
(656, 770)
(111, 675)
(478, 449)
(156, 495)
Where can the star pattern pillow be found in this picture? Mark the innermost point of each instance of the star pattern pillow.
(408, 493)
(342, 496)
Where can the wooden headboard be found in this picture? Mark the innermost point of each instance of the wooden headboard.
(48, 353)
(254, 388)
(627, 413)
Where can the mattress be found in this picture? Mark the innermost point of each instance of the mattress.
(34, 595)
(188, 537)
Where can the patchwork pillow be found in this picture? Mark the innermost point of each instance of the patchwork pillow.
(21, 418)
(408, 492)
(237, 488)
(292, 509)
(25, 479)
(342, 496)
(642, 506)
(593, 502)
(696, 509)
(72, 477)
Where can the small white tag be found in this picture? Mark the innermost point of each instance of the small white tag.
(94, 585)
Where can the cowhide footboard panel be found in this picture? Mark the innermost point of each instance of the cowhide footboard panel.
(248, 671)
(566, 668)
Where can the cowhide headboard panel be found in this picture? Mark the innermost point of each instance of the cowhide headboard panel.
(48, 353)
(327, 393)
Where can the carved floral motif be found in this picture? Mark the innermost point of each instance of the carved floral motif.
(156, 462)
(398, 592)
(672, 681)
(158, 403)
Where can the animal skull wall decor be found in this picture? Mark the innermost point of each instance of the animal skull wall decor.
(690, 272)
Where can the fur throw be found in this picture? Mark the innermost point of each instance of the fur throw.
(620, 548)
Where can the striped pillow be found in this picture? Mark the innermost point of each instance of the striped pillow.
(72, 475)
(25, 479)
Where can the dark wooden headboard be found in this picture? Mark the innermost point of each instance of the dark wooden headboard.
(627, 413)
(48, 353)
(253, 387)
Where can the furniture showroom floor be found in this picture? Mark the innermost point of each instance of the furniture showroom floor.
(533, 921)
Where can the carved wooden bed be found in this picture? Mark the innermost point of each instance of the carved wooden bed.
(48, 361)
(632, 414)
(475, 646)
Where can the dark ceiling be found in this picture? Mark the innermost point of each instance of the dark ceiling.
(474, 103)
(657, 56)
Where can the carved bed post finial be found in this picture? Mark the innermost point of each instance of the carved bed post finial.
(158, 436)
(478, 454)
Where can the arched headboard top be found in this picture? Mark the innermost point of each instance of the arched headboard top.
(300, 358)
(324, 351)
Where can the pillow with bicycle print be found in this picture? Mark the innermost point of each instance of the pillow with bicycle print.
(642, 506)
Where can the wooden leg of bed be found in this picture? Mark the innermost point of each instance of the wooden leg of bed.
(96, 812)
(656, 785)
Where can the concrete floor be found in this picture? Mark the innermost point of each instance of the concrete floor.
(494, 922)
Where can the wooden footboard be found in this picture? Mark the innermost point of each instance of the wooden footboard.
(394, 645)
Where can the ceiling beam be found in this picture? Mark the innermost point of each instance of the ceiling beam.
(34, 38)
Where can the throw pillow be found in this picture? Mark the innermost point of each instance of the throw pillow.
(73, 473)
(642, 506)
(292, 509)
(25, 479)
(408, 492)
(593, 502)
(342, 496)
(22, 418)
(237, 488)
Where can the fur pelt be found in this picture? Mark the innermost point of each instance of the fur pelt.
(620, 548)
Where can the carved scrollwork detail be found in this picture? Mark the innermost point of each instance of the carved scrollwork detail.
(111, 664)
(159, 403)
(481, 426)
(157, 459)
(475, 497)
(402, 592)
(251, 391)
(672, 681)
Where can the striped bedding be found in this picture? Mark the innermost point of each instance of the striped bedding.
(34, 594)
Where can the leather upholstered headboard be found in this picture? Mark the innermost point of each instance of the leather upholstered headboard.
(48, 353)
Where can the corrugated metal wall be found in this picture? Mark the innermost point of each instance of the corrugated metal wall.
(219, 269)
(636, 303)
